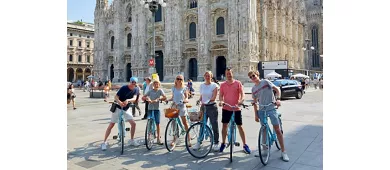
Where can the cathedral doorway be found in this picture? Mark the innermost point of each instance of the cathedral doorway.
(160, 64)
(70, 74)
(221, 67)
(112, 72)
(193, 69)
(128, 72)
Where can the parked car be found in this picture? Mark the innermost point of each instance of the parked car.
(289, 88)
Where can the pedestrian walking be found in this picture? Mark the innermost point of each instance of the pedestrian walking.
(147, 87)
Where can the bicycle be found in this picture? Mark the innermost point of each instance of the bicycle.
(121, 128)
(150, 132)
(172, 129)
(232, 130)
(203, 129)
(265, 143)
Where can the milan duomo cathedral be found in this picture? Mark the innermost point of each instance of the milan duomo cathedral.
(193, 36)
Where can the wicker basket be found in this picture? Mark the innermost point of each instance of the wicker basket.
(194, 114)
(171, 113)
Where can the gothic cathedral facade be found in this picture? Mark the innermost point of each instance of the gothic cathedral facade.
(193, 36)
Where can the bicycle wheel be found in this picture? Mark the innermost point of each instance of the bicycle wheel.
(149, 134)
(264, 145)
(122, 135)
(198, 135)
(171, 135)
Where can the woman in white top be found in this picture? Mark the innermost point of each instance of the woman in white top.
(208, 92)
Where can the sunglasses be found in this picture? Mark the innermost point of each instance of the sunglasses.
(252, 76)
(134, 82)
(179, 79)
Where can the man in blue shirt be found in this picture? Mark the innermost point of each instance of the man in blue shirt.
(127, 94)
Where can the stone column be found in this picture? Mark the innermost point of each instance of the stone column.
(75, 75)
(204, 35)
(247, 19)
(83, 74)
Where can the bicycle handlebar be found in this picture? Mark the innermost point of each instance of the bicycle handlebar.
(131, 104)
(198, 102)
(234, 107)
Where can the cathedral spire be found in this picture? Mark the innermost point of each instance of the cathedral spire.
(101, 4)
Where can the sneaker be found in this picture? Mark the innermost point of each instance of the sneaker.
(104, 146)
(216, 147)
(246, 149)
(133, 143)
(197, 146)
(222, 147)
(285, 157)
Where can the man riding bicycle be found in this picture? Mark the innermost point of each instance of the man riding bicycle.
(262, 92)
(127, 94)
(232, 93)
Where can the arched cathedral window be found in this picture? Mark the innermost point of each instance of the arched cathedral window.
(129, 40)
(220, 26)
(193, 3)
(315, 52)
(158, 14)
(192, 30)
(112, 42)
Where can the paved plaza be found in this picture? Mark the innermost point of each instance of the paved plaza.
(302, 125)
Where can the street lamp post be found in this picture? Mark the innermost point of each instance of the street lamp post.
(152, 5)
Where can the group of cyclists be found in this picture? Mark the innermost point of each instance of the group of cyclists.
(230, 92)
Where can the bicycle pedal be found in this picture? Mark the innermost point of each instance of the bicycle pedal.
(127, 129)
(115, 137)
(237, 144)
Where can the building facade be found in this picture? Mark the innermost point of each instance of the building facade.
(314, 34)
(193, 36)
(79, 51)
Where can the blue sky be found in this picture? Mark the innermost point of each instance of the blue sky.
(81, 9)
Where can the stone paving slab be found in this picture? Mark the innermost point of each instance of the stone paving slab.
(87, 124)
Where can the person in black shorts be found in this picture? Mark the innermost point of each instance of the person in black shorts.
(232, 93)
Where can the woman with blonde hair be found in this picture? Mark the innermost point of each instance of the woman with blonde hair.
(179, 98)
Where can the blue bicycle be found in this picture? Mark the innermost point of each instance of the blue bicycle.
(121, 128)
(267, 137)
(204, 135)
(231, 134)
(150, 132)
(172, 130)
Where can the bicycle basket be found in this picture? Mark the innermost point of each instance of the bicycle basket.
(171, 113)
(194, 114)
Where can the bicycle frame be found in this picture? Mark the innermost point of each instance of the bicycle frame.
(204, 134)
(154, 122)
(120, 129)
(233, 123)
(271, 135)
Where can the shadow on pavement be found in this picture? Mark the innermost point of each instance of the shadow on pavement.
(303, 145)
